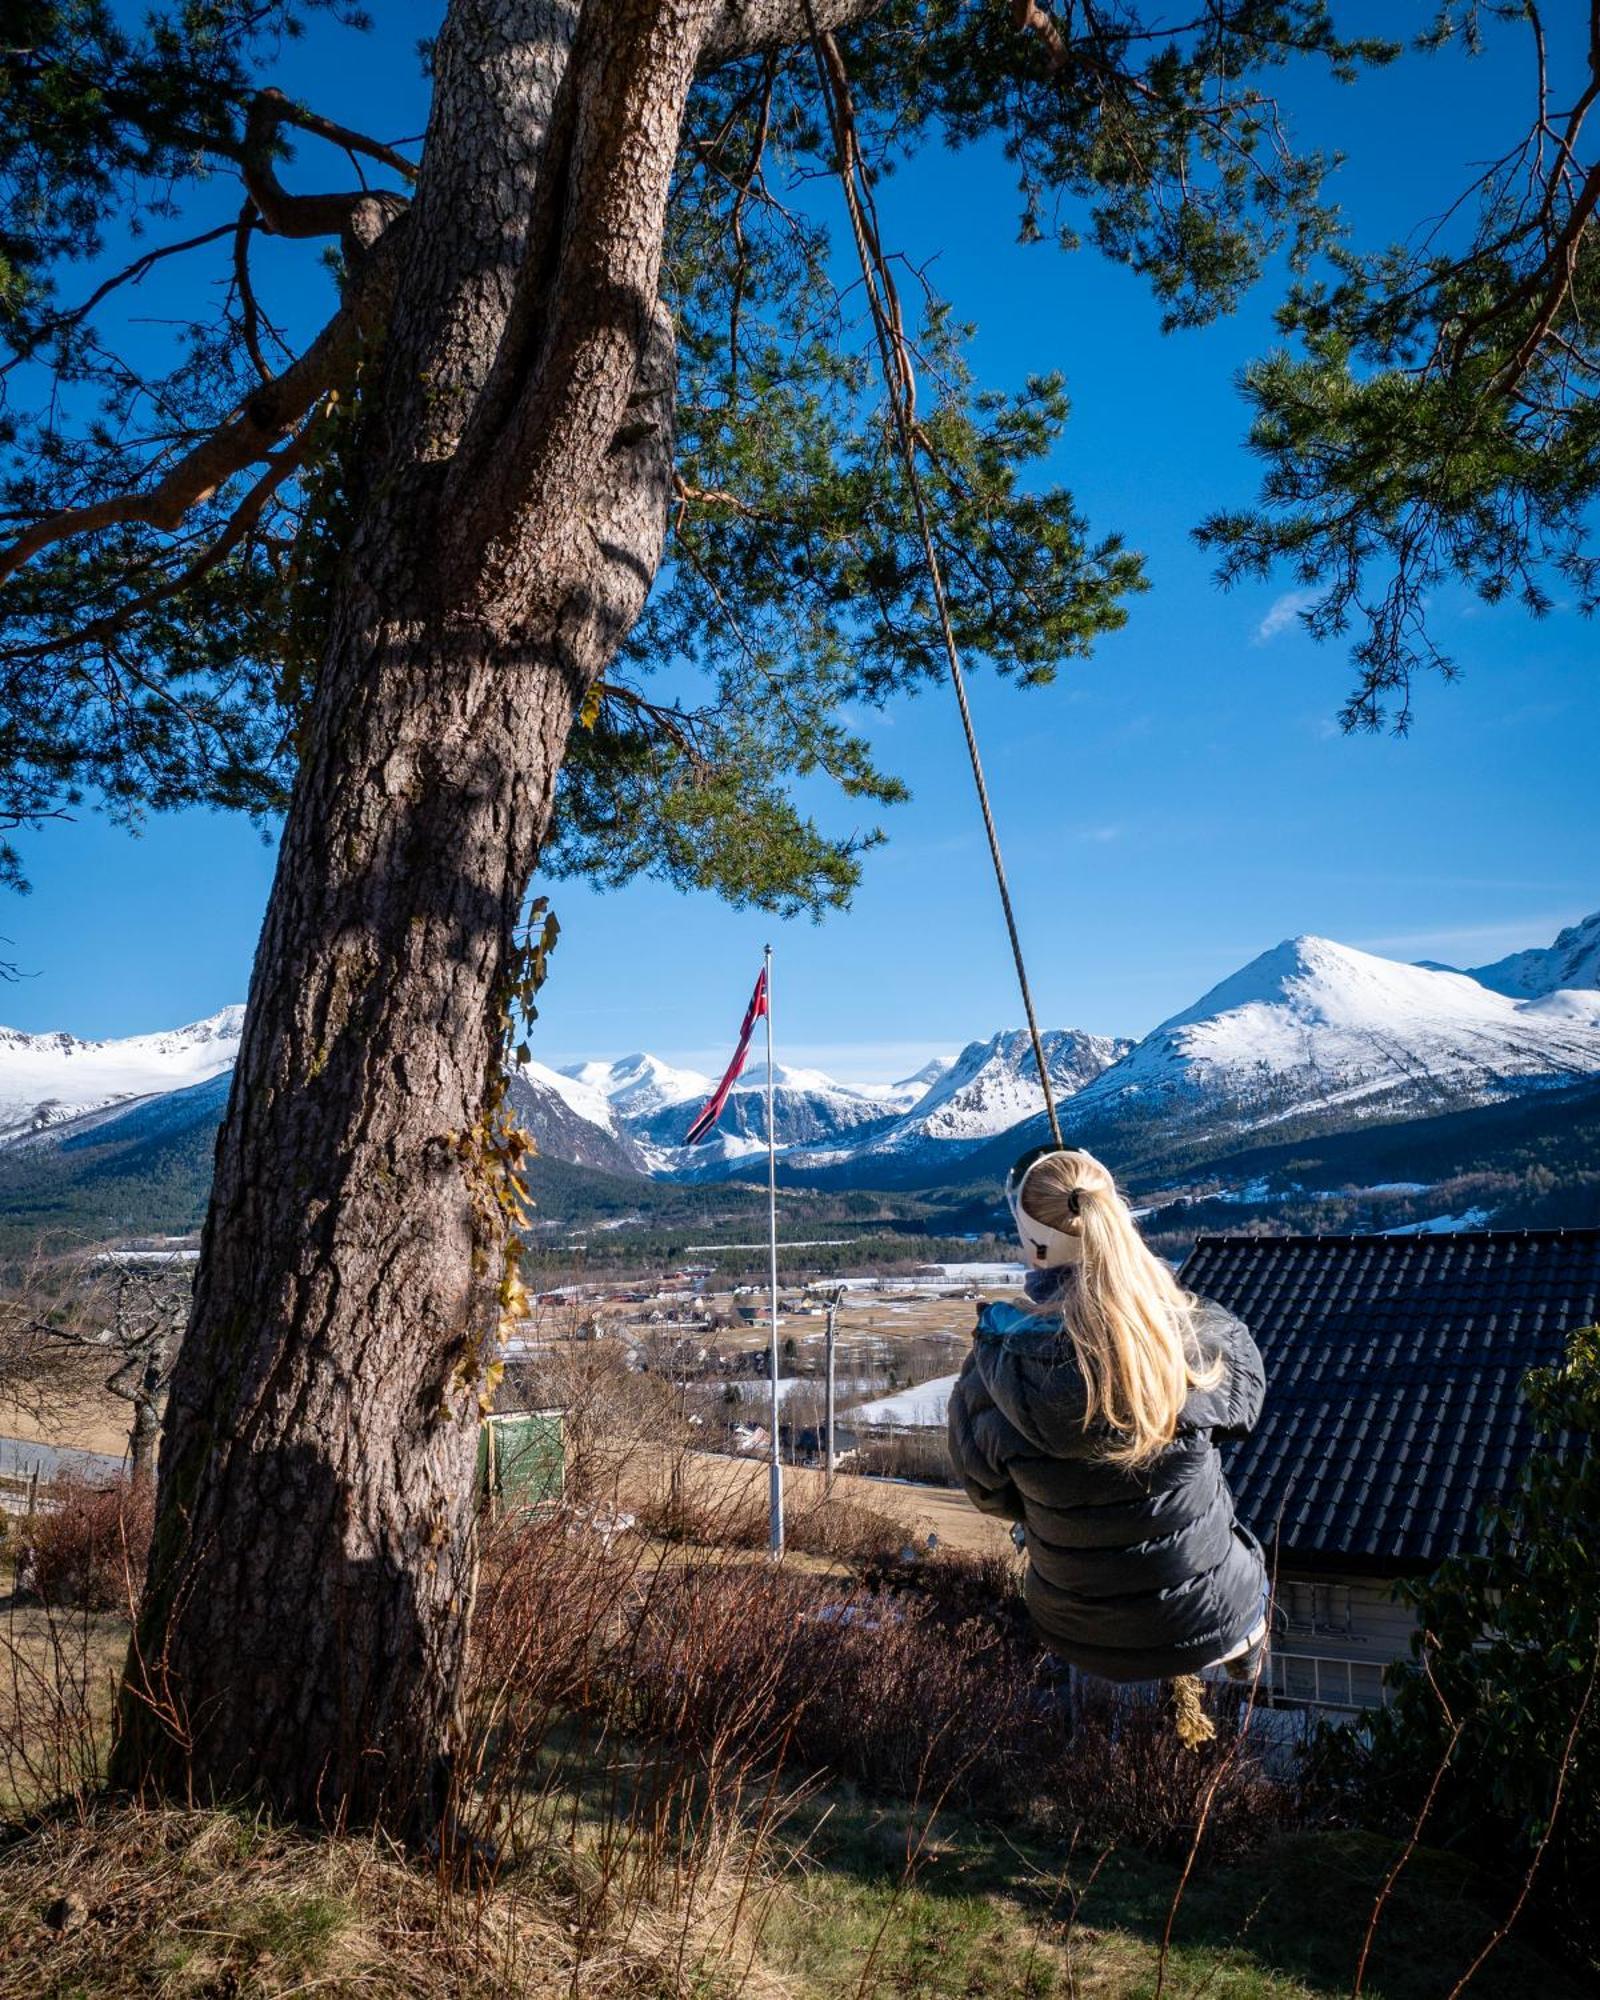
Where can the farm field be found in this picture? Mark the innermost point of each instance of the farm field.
(738, 1486)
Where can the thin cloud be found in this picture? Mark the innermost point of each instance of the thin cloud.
(1282, 612)
(1480, 941)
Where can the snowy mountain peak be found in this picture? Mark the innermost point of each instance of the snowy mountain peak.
(1326, 983)
(990, 1087)
(994, 1084)
(1312, 1025)
(1573, 961)
(929, 1074)
(53, 1079)
(638, 1085)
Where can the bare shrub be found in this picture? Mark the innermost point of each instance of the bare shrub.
(88, 1543)
(58, 1668)
(1125, 1778)
(685, 1510)
(920, 1455)
(845, 1531)
(958, 1584)
(635, 1833)
(850, 1682)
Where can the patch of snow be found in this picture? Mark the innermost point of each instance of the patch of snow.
(579, 1097)
(922, 1408)
(1442, 1225)
(1572, 961)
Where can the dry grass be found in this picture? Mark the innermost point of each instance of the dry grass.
(58, 1678)
(204, 1906)
(689, 1785)
(641, 1478)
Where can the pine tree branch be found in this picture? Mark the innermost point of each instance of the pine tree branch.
(261, 423)
(29, 342)
(764, 27)
(279, 467)
(359, 216)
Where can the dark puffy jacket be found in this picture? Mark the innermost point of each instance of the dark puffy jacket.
(1132, 1575)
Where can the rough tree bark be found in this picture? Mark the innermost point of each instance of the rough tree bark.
(304, 1621)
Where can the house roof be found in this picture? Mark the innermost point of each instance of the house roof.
(1392, 1413)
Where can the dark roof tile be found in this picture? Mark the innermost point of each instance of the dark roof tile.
(1392, 1415)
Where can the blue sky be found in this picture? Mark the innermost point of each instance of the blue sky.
(1169, 808)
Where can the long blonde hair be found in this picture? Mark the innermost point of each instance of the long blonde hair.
(1129, 1320)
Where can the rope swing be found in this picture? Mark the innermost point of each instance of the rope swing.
(900, 385)
(1192, 1726)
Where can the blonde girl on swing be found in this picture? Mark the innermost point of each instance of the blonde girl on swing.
(1090, 1417)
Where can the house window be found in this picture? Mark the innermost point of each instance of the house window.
(1320, 1682)
(1297, 1677)
(1315, 1607)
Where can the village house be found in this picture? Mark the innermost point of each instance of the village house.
(1392, 1418)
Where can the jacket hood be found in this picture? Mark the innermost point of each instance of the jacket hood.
(1028, 1367)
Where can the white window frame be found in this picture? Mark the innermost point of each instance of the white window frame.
(1329, 1673)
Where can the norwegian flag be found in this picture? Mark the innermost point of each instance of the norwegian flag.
(712, 1110)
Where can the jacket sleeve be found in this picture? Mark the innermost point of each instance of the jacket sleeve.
(1247, 1383)
(987, 1481)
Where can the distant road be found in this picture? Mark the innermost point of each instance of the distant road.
(784, 1243)
(19, 1457)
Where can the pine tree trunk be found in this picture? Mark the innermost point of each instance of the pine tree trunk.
(304, 1621)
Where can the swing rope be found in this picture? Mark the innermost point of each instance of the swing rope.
(900, 385)
(1192, 1726)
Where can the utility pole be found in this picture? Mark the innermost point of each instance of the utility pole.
(834, 1302)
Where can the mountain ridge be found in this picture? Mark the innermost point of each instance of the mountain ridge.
(1309, 1035)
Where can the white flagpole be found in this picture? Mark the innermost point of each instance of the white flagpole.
(775, 1493)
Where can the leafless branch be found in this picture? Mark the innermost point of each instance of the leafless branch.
(1563, 1772)
(131, 275)
(248, 438)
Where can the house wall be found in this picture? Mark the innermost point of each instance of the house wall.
(1332, 1637)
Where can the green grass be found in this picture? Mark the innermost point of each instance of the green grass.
(978, 1915)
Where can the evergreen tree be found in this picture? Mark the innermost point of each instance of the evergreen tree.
(1502, 1700)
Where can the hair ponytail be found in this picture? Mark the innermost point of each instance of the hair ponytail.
(1130, 1322)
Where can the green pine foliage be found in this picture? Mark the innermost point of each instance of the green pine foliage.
(1432, 422)
(150, 667)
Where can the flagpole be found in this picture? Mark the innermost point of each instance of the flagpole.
(775, 1484)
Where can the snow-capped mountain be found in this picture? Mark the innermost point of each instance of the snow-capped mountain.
(636, 1086)
(570, 1120)
(912, 1089)
(56, 1089)
(54, 1080)
(808, 1109)
(1573, 961)
(656, 1102)
(1310, 1036)
(1314, 1030)
(989, 1088)
(994, 1085)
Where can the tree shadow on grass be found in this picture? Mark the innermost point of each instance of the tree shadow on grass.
(1295, 1909)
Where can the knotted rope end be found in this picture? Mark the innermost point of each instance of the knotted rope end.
(1189, 1718)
